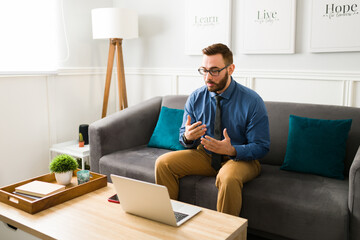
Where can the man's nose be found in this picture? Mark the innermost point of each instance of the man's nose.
(207, 75)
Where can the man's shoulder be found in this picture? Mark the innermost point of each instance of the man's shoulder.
(246, 92)
(199, 93)
(249, 99)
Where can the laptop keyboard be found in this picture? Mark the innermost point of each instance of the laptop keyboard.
(180, 216)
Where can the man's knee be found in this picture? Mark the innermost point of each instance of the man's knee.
(228, 180)
(160, 162)
(164, 160)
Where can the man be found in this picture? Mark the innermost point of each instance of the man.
(232, 158)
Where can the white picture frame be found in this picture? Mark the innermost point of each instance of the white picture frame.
(207, 22)
(335, 26)
(267, 26)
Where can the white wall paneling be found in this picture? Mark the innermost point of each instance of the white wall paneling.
(187, 84)
(24, 127)
(356, 93)
(143, 84)
(297, 90)
(38, 111)
(334, 88)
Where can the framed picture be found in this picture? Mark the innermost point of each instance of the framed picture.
(335, 26)
(267, 26)
(207, 22)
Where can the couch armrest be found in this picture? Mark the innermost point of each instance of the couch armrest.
(354, 197)
(122, 130)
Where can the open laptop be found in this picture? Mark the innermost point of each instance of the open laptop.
(151, 201)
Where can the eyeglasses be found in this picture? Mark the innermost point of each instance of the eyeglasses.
(213, 72)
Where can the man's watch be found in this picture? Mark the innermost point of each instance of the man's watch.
(185, 140)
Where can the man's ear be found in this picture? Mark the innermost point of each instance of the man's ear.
(231, 69)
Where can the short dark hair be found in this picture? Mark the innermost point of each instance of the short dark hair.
(219, 48)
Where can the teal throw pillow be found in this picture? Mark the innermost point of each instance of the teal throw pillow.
(317, 146)
(166, 133)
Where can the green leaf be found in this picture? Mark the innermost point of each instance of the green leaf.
(63, 163)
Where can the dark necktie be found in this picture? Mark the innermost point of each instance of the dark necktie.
(216, 158)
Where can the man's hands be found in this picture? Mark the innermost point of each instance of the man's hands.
(194, 131)
(222, 147)
(197, 130)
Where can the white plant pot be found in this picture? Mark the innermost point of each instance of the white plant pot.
(64, 178)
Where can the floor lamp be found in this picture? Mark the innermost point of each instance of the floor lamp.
(115, 24)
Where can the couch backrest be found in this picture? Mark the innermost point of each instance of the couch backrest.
(279, 113)
(174, 101)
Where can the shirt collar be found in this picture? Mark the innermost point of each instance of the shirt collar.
(227, 93)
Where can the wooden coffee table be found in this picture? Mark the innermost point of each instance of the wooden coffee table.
(91, 216)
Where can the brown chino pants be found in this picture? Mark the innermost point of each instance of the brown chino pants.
(172, 166)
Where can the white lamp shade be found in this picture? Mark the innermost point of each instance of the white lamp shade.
(114, 23)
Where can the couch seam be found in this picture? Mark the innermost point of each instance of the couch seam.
(352, 204)
(353, 197)
(195, 195)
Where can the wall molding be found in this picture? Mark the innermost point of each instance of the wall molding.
(243, 73)
(303, 75)
(348, 79)
(254, 73)
(250, 77)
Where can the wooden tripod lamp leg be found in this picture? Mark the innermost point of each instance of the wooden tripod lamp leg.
(121, 76)
(108, 77)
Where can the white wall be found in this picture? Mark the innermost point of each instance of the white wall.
(158, 54)
(162, 41)
(38, 111)
(84, 51)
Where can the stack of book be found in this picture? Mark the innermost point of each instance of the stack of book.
(38, 189)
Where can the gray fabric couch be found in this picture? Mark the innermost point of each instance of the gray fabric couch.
(278, 204)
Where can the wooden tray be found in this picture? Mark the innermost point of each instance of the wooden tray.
(71, 191)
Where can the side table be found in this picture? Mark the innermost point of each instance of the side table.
(71, 148)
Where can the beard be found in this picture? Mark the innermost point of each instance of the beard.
(218, 86)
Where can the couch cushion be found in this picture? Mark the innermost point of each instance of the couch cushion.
(137, 162)
(166, 133)
(187, 190)
(296, 205)
(279, 113)
(198, 190)
(316, 146)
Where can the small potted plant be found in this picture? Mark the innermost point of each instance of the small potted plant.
(81, 140)
(63, 166)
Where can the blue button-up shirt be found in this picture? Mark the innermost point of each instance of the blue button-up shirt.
(243, 114)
